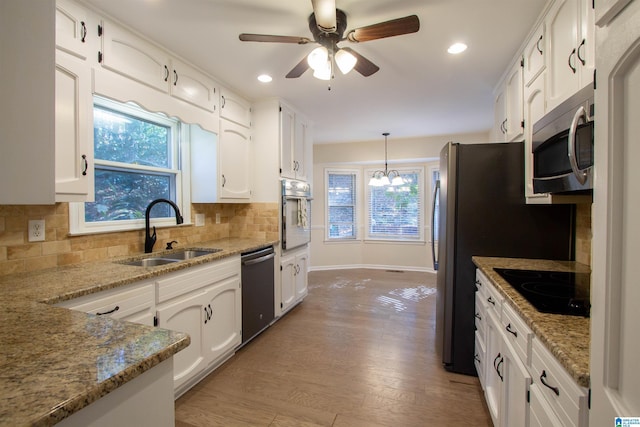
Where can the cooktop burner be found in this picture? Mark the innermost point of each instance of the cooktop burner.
(554, 292)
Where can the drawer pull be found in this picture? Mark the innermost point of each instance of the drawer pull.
(109, 312)
(511, 331)
(477, 358)
(543, 380)
(478, 283)
(478, 316)
(496, 361)
(491, 301)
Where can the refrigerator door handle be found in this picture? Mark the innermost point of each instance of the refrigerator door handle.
(436, 190)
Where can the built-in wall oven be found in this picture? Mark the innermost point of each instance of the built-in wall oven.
(296, 213)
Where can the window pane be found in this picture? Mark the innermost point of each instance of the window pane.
(341, 209)
(125, 195)
(395, 211)
(120, 137)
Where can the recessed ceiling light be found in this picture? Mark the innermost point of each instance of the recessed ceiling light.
(264, 78)
(457, 48)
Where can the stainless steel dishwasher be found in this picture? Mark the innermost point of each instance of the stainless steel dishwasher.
(257, 292)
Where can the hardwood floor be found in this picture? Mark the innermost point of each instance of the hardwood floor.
(359, 351)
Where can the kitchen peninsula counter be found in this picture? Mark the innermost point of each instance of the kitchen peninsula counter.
(566, 337)
(55, 361)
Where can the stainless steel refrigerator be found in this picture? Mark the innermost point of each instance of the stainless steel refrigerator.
(482, 211)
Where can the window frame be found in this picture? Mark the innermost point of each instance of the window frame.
(356, 206)
(180, 169)
(420, 239)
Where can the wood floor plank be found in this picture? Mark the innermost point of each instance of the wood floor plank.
(359, 351)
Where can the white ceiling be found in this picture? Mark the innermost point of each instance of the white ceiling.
(420, 89)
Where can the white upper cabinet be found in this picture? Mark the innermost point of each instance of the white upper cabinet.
(534, 62)
(508, 107)
(133, 57)
(234, 108)
(72, 29)
(295, 140)
(570, 48)
(73, 130)
(192, 86)
(234, 161)
(500, 116)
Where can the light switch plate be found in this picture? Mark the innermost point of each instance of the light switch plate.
(199, 220)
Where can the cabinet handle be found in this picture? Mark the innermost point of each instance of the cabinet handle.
(572, 54)
(224, 101)
(478, 316)
(166, 73)
(478, 283)
(85, 164)
(208, 313)
(538, 45)
(511, 331)
(496, 361)
(491, 301)
(83, 31)
(498, 369)
(175, 77)
(580, 56)
(224, 180)
(113, 310)
(543, 380)
(477, 358)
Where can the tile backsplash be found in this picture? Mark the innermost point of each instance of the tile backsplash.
(17, 254)
(583, 233)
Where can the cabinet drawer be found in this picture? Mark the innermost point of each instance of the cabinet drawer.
(190, 279)
(517, 333)
(480, 316)
(564, 396)
(493, 300)
(481, 283)
(117, 303)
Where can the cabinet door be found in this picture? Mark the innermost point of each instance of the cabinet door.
(562, 42)
(234, 161)
(301, 136)
(493, 385)
(187, 315)
(287, 141)
(71, 29)
(287, 283)
(500, 117)
(534, 62)
(513, 403)
(540, 413)
(514, 124)
(134, 58)
(301, 275)
(73, 130)
(615, 377)
(234, 108)
(191, 86)
(222, 319)
(534, 110)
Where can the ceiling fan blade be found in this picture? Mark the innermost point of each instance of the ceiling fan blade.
(273, 39)
(325, 13)
(299, 69)
(395, 27)
(363, 66)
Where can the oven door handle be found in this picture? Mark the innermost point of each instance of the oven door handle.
(580, 175)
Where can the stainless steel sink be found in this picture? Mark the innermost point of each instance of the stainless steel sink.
(190, 253)
(183, 255)
(150, 262)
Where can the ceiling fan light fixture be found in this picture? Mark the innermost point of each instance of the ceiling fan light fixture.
(323, 72)
(345, 61)
(325, 12)
(318, 58)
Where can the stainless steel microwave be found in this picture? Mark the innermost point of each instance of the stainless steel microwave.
(563, 146)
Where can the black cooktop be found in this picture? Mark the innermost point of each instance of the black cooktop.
(551, 291)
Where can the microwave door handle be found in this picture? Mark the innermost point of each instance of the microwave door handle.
(580, 114)
(436, 190)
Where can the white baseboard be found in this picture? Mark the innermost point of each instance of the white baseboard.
(371, 266)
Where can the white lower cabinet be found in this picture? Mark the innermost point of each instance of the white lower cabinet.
(204, 302)
(524, 384)
(293, 282)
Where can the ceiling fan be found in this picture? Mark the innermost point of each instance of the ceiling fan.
(327, 25)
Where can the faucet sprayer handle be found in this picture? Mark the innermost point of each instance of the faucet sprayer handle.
(170, 244)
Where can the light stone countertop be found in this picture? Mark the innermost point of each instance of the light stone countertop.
(55, 361)
(566, 337)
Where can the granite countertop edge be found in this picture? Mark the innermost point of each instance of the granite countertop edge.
(566, 337)
(27, 351)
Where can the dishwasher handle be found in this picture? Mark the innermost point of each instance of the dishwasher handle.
(258, 260)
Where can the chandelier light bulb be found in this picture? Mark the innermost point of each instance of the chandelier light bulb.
(345, 61)
(323, 72)
(318, 58)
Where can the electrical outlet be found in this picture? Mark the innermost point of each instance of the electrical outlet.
(36, 230)
(199, 220)
(217, 218)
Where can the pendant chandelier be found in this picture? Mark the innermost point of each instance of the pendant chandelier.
(386, 177)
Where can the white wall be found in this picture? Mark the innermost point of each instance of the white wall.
(424, 152)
